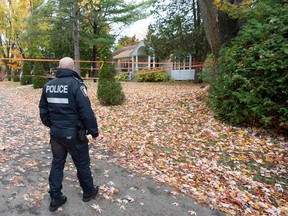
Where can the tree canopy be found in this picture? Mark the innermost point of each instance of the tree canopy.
(177, 31)
(126, 41)
(53, 29)
(12, 15)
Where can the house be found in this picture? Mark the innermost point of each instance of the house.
(134, 58)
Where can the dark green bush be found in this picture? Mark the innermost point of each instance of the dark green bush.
(109, 91)
(251, 86)
(157, 75)
(206, 74)
(38, 80)
(26, 80)
(26, 68)
(16, 78)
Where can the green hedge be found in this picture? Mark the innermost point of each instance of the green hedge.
(39, 82)
(253, 73)
(26, 80)
(159, 75)
(16, 78)
(39, 71)
(123, 77)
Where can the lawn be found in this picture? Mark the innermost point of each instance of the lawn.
(166, 131)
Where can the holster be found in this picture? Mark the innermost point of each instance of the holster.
(81, 132)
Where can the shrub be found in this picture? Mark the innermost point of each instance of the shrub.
(16, 78)
(157, 75)
(251, 86)
(142, 77)
(26, 80)
(160, 77)
(39, 71)
(8, 77)
(39, 82)
(206, 74)
(26, 68)
(109, 91)
(123, 77)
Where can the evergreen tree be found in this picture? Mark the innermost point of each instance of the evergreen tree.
(26, 77)
(109, 91)
(38, 80)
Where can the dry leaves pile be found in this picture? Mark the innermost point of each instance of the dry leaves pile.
(166, 131)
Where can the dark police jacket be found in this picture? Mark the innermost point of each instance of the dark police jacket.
(64, 103)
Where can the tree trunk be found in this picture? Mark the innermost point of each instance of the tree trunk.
(76, 37)
(202, 47)
(219, 27)
(94, 50)
(6, 62)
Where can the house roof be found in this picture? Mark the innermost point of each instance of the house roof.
(124, 53)
(129, 51)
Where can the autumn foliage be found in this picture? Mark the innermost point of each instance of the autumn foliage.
(167, 132)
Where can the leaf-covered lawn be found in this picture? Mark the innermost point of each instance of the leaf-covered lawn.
(166, 131)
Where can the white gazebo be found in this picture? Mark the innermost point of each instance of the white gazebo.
(134, 58)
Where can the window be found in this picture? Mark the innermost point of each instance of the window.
(124, 66)
(185, 65)
(188, 62)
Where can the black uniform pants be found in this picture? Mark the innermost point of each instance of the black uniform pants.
(64, 142)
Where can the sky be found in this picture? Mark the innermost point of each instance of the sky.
(139, 28)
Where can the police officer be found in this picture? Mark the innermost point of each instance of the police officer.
(65, 108)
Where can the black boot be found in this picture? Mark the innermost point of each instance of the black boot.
(56, 203)
(90, 196)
